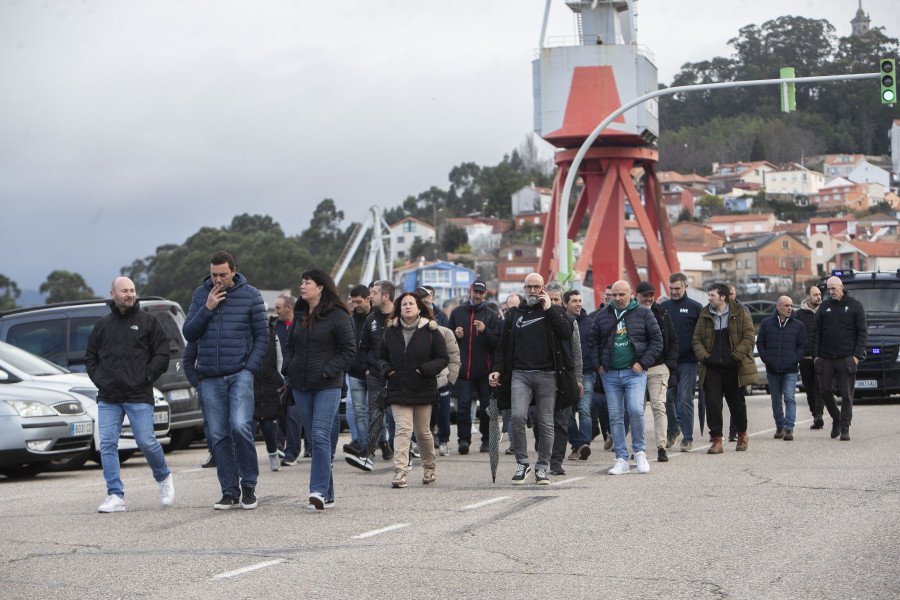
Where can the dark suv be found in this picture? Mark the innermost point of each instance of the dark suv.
(59, 333)
(878, 375)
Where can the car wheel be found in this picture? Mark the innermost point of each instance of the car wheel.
(180, 439)
(23, 471)
(69, 463)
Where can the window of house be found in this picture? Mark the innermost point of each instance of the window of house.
(786, 244)
(781, 263)
(409, 226)
(401, 254)
(738, 227)
(757, 227)
(685, 230)
(436, 277)
(819, 244)
(401, 239)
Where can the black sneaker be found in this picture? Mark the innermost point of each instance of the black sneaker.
(288, 462)
(360, 462)
(463, 447)
(248, 498)
(835, 428)
(558, 471)
(227, 501)
(540, 476)
(210, 462)
(484, 448)
(387, 453)
(522, 472)
(353, 448)
(661, 455)
(818, 423)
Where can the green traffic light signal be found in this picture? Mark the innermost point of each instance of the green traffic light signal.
(888, 81)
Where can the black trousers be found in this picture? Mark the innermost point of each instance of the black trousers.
(560, 437)
(718, 383)
(845, 370)
(813, 391)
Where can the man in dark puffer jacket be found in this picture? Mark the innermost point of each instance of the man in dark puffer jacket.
(232, 337)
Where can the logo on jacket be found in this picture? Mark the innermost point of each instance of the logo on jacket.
(135, 327)
(520, 322)
(828, 309)
(846, 308)
(683, 310)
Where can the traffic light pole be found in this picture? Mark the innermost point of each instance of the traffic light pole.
(562, 255)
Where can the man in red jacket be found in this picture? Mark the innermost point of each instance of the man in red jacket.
(475, 327)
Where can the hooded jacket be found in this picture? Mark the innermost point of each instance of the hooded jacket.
(232, 337)
(840, 329)
(740, 340)
(266, 399)
(411, 369)
(807, 315)
(317, 358)
(125, 354)
(449, 374)
(475, 347)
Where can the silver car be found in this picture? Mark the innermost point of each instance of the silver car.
(38, 425)
(24, 369)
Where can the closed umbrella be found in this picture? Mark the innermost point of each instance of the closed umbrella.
(493, 413)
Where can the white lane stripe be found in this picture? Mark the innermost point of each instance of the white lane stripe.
(378, 531)
(193, 470)
(567, 481)
(485, 503)
(236, 572)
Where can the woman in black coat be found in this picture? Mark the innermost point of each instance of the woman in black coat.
(320, 348)
(412, 355)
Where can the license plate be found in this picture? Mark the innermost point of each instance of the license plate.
(867, 383)
(179, 394)
(161, 416)
(86, 428)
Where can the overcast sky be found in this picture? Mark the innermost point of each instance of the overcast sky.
(131, 124)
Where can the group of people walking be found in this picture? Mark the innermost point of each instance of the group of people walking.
(547, 361)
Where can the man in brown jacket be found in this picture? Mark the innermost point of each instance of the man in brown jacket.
(723, 343)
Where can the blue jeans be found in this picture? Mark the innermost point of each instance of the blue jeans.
(206, 434)
(443, 414)
(110, 416)
(625, 387)
(229, 408)
(359, 399)
(680, 401)
(580, 433)
(782, 387)
(319, 413)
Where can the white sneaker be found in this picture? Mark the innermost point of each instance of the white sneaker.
(621, 467)
(113, 504)
(274, 461)
(167, 491)
(641, 459)
(443, 450)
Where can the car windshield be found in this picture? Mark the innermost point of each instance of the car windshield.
(878, 299)
(27, 362)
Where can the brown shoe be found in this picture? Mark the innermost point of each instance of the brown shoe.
(716, 447)
(788, 435)
(742, 441)
(779, 433)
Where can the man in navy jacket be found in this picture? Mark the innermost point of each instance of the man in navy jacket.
(232, 337)
(781, 343)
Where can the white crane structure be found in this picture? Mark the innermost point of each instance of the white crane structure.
(375, 256)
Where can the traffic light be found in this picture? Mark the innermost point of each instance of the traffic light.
(888, 81)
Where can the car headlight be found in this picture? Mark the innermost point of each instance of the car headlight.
(28, 408)
(158, 396)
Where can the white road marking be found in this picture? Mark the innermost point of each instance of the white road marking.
(384, 530)
(236, 572)
(567, 481)
(193, 470)
(485, 503)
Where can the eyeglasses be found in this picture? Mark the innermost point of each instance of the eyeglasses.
(532, 288)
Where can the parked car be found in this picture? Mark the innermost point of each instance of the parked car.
(38, 425)
(59, 333)
(27, 370)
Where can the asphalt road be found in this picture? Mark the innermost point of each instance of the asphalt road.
(812, 518)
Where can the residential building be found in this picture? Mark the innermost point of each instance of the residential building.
(692, 242)
(822, 249)
(532, 219)
(680, 192)
(867, 256)
(766, 262)
(877, 226)
(531, 199)
(449, 280)
(841, 165)
(842, 194)
(866, 172)
(497, 225)
(514, 263)
(403, 234)
(727, 176)
(793, 180)
(740, 225)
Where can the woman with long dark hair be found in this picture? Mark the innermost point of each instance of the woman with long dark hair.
(320, 348)
(413, 353)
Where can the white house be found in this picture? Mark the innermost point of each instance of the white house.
(866, 172)
(403, 234)
(531, 199)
